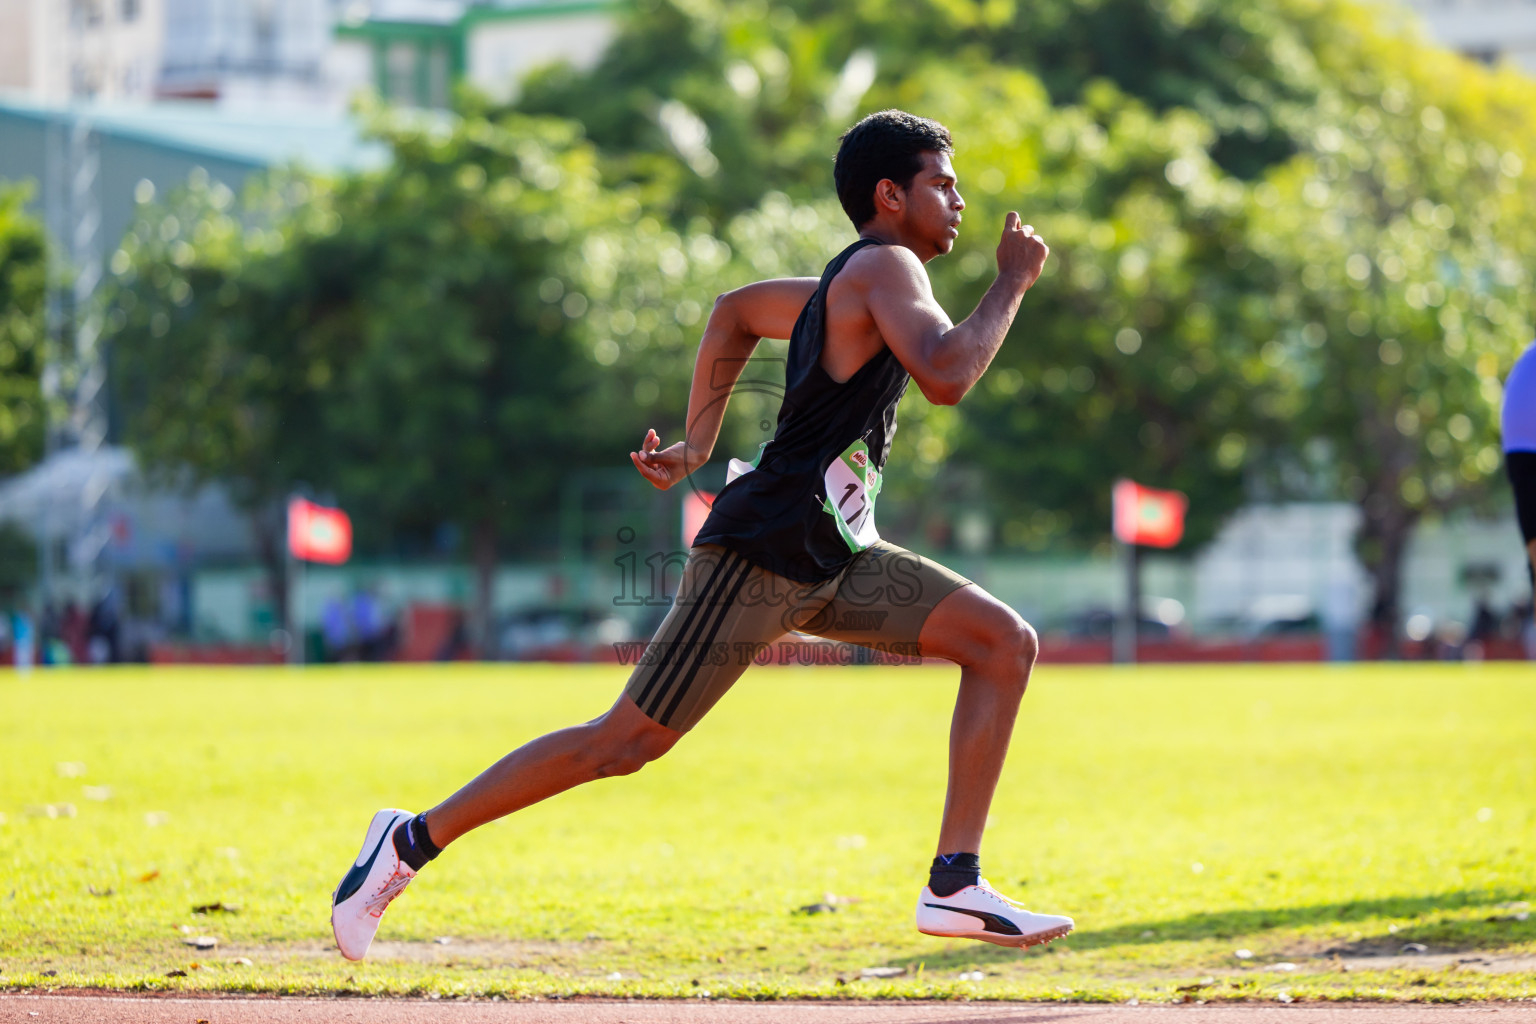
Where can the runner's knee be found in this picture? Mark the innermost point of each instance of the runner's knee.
(627, 755)
(1015, 642)
(1028, 644)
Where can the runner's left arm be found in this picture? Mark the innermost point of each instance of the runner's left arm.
(767, 309)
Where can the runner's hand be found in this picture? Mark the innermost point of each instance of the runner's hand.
(1021, 254)
(662, 468)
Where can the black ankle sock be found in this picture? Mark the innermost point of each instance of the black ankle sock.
(414, 844)
(952, 872)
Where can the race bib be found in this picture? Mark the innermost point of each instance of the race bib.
(853, 484)
(736, 467)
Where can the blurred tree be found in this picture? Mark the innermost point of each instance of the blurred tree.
(1209, 206)
(650, 301)
(1133, 150)
(1137, 352)
(401, 340)
(709, 105)
(18, 563)
(449, 287)
(1399, 244)
(212, 378)
(1143, 219)
(23, 332)
(713, 103)
(1242, 65)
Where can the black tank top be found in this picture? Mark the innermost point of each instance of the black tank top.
(806, 506)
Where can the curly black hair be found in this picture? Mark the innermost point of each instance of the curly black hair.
(886, 144)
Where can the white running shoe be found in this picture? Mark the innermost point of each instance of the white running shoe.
(374, 880)
(981, 912)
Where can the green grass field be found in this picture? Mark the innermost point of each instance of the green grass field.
(1180, 814)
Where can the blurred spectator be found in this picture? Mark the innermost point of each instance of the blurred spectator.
(1381, 632)
(1524, 622)
(370, 624)
(75, 631)
(1485, 624)
(1448, 642)
(105, 629)
(336, 629)
(24, 640)
(456, 646)
(47, 634)
(1483, 631)
(1341, 617)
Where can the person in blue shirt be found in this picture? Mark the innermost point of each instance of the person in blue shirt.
(1519, 431)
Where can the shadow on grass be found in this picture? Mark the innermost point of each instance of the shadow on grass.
(1491, 930)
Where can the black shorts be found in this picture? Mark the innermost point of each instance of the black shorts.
(1521, 467)
(728, 614)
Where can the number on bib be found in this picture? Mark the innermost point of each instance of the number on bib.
(852, 484)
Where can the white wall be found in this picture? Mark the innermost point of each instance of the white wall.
(502, 52)
(1268, 551)
(16, 44)
(52, 55)
(1506, 27)
(251, 52)
(348, 68)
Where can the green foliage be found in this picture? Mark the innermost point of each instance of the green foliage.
(200, 332)
(18, 561)
(449, 284)
(1139, 259)
(1147, 313)
(775, 83)
(710, 105)
(1288, 254)
(1398, 244)
(801, 782)
(401, 340)
(1196, 328)
(651, 289)
(23, 332)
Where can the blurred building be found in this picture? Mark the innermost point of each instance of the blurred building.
(1272, 566)
(242, 51)
(290, 53)
(250, 52)
(93, 164)
(52, 50)
(1487, 30)
(128, 144)
(105, 527)
(106, 105)
(413, 52)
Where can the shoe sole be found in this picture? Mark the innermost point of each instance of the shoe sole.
(1012, 941)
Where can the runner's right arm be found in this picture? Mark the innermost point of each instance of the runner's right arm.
(767, 309)
(946, 361)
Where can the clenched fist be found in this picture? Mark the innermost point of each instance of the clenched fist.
(1021, 254)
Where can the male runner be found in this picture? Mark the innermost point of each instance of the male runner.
(1518, 423)
(790, 544)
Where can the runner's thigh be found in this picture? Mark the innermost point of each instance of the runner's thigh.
(726, 609)
(884, 598)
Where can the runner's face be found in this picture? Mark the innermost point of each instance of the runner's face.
(932, 210)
